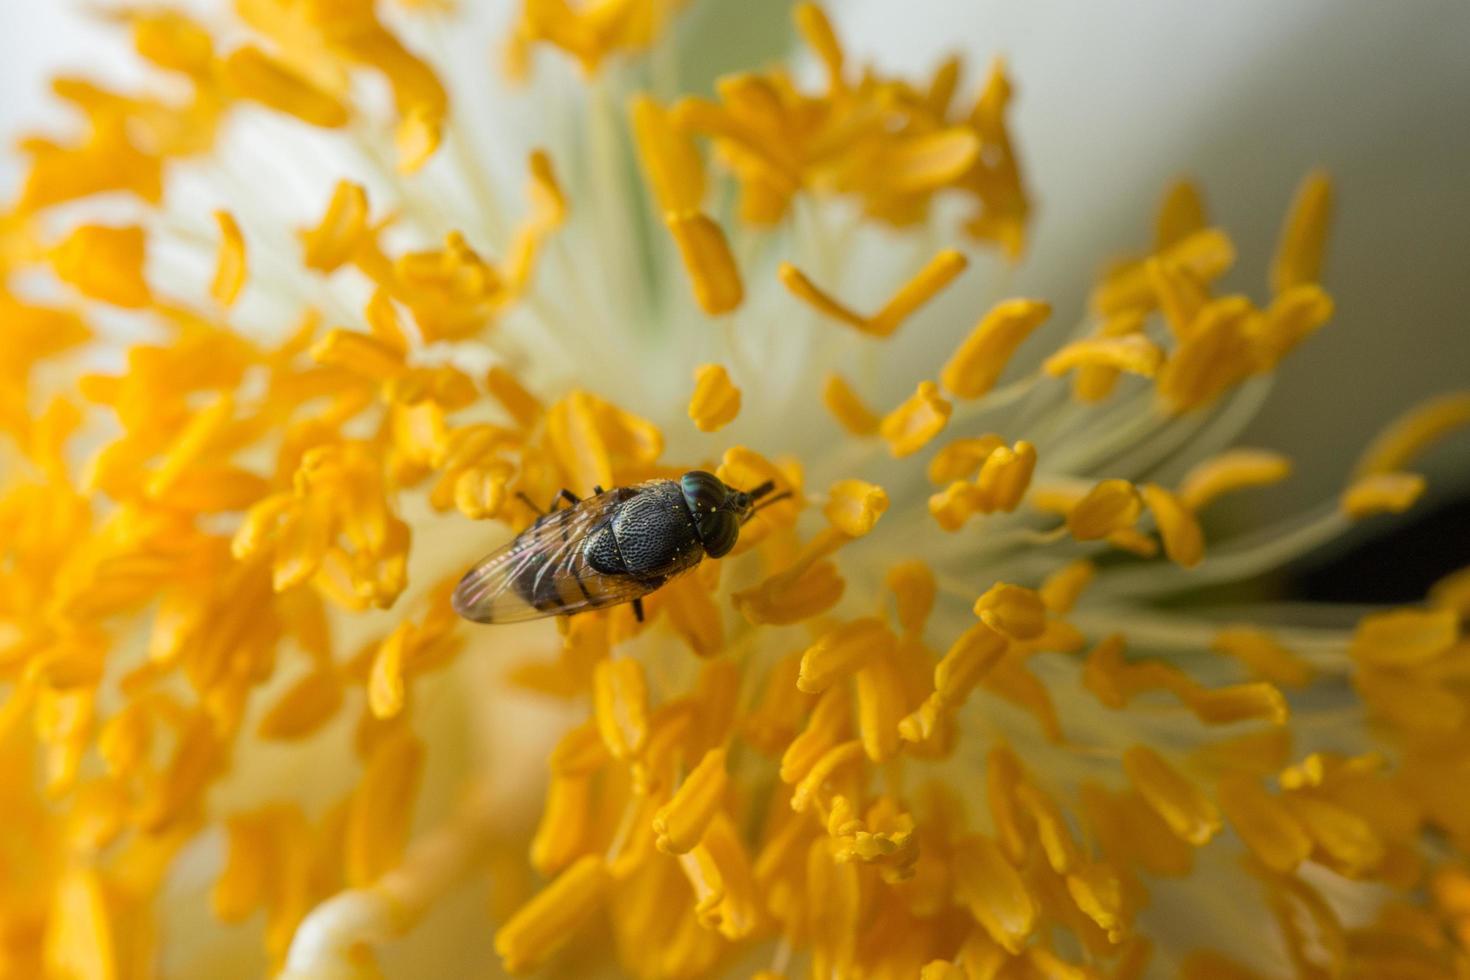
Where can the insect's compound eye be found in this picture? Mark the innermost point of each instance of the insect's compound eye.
(709, 501)
(703, 492)
(719, 532)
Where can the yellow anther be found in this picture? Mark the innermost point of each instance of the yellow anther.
(1205, 254)
(1404, 637)
(1181, 214)
(1005, 477)
(716, 401)
(1231, 471)
(1264, 656)
(1094, 382)
(681, 822)
(925, 284)
(1064, 587)
(961, 459)
(670, 159)
(979, 362)
(1382, 493)
(1265, 823)
(841, 652)
(105, 263)
(255, 75)
(379, 815)
(781, 600)
(1110, 506)
(708, 260)
(1133, 353)
(229, 267)
(910, 426)
(1414, 432)
(1181, 804)
(549, 920)
(1178, 292)
(847, 407)
(1013, 610)
(913, 587)
(854, 506)
(620, 701)
(1184, 542)
(1292, 317)
(1304, 236)
(993, 891)
(342, 230)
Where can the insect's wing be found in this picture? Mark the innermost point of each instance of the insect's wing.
(545, 572)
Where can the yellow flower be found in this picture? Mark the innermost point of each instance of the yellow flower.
(283, 356)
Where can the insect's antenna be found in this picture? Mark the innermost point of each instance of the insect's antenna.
(762, 490)
(773, 500)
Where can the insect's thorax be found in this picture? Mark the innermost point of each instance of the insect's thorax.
(654, 532)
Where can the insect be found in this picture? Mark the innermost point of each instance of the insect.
(615, 546)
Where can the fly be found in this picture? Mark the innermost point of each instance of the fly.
(613, 547)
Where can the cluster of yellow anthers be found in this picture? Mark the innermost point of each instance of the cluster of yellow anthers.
(181, 596)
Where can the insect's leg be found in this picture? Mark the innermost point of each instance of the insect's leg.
(563, 495)
(596, 489)
(638, 609)
(527, 501)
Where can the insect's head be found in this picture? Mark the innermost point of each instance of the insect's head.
(719, 509)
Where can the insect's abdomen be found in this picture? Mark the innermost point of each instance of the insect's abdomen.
(655, 533)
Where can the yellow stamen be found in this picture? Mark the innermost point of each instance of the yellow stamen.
(342, 230)
(1181, 214)
(910, 426)
(845, 405)
(914, 588)
(709, 262)
(841, 652)
(549, 920)
(305, 707)
(716, 401)
(1414, 432)
(620, 700)
(562, 834)
(670, 159)
(961, 458)
(1013, 610)
(381, 812)
(1292, 317)
(1453, 592)
(230, 267)
(781, 601)
(1304, 236)
(1134, 354)
(105, 263)
(1231, 471)
(1382, 493)
(817, 31)
(924, 286)
(1094, 382)
(1184, 542)
(681, 822)
(1265, 657)
(1181, 804)
(1205, 255)
(1063, 587)
(993, 891)
(1265, 823)
(978, 363)
(880, 706)
(1404, 637)
(854, 506)
(257, 76)
(1005, 477)
(1111, 505)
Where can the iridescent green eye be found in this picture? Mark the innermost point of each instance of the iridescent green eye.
(719, 532)
(709, 502)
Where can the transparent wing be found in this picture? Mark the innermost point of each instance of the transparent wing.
(544, 571)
